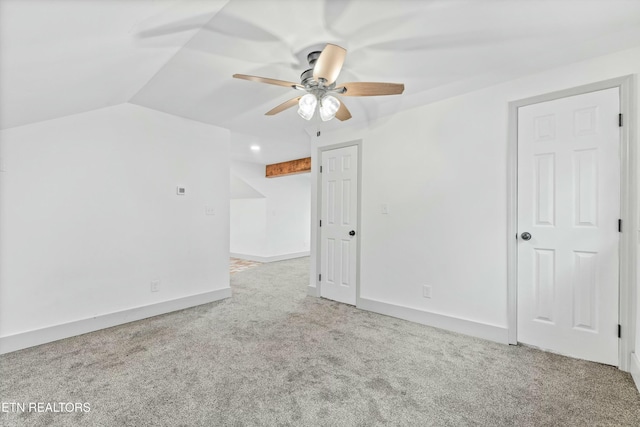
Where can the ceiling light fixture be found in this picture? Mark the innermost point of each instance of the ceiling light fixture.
(255, 148)
(307, 106)
(329, 106)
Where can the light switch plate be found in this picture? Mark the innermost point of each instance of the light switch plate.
(426, 291)
(155, 285)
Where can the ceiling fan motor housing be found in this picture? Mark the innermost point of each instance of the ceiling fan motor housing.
(311, 85)
(312, 57)
(306, 77)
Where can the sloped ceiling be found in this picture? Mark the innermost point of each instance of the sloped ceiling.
(62, 57)
(240, 189)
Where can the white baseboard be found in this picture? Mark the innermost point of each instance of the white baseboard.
(273, 258)
(463, 326)
(53, 333)
(635, 369)
(312, 291)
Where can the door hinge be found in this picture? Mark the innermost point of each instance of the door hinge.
(619, 226)
(619, 331)
(320, 169)
(319, 277)
(620, 120)
(320, 223)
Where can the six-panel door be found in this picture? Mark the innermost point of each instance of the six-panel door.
(569, 201)
(339, 230)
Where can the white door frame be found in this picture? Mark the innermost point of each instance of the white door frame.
(357, 143)
(628, 208)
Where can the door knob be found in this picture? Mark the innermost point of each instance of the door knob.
(352, 233)
(526, 236)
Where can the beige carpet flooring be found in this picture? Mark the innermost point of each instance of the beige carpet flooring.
(272, 356)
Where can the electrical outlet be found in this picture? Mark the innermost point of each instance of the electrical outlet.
(209, 210)
(426, 291)
(155, 285)
(384, 209)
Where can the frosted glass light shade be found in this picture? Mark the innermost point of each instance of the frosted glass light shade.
(307, 106)
(329, 106)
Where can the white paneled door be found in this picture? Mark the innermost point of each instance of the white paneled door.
(339, 224)
(568, 210)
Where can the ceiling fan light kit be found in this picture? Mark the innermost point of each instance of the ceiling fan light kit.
(329, 106)
(307, 106)
(319, 82)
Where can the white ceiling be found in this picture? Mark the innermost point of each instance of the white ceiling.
(62, 57)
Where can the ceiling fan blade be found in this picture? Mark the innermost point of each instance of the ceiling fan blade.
(372, 89)
(343, 112)
(268, 81)
(280, 108)
(329, 63)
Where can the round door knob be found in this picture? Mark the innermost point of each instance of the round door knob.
(352, 233)
(526, 236)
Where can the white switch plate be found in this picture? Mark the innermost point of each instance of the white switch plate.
(209, 210)
(155, 285)
(384, 209)
(426, 291)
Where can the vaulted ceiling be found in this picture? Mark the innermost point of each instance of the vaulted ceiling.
(62, 57)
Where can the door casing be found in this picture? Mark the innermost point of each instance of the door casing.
(357, 143)
(628, 208)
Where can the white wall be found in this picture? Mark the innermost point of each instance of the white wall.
(89, 216)
(442, 170)
(248, 214)
(276, 226)
(248, 227)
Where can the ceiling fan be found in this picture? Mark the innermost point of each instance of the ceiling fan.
(319, 82)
